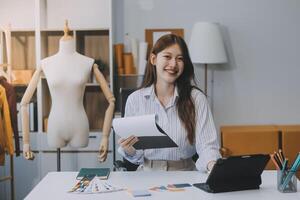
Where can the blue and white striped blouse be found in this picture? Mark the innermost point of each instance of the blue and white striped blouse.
(144, 101)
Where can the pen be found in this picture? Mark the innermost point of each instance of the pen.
(275, 162)
(292, 171)
(278, 161)
(281, 154)
(283, 173)
(284, 166)
(278, 157)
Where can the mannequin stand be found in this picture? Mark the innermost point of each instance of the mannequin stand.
(114, 146)
(58, 159)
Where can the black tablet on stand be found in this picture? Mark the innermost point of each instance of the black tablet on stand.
(235, 173)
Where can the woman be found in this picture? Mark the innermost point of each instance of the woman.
(182, 110)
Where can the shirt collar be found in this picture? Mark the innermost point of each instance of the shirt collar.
(176, 92)
(175, 97)
(149, 92)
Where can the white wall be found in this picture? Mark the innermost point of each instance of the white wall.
(259, 85)
(78, 12)
(19, 13)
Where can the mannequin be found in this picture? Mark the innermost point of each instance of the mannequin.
(67, 72)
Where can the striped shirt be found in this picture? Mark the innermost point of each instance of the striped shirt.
(144, 101)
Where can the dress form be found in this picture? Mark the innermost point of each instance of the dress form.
(67, 73)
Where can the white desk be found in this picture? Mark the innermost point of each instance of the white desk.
(56, 184)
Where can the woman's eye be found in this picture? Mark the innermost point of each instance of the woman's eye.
(180, 58)
(168, 57)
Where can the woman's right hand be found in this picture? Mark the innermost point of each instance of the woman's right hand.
(126, 144)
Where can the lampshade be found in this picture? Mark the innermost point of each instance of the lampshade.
(206, 45)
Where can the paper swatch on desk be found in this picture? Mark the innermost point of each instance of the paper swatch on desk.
(144, 127)
(169, 188)
(96, 185)
(140, 193)
(179, 185)
(81, 185)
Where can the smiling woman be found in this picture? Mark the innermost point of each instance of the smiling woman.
(169, 65)
(182, 109)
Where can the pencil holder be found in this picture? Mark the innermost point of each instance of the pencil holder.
(286, 181)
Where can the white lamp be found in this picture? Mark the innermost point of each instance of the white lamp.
(206, 46)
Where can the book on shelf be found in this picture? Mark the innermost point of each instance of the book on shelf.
(19, 118)
(32, 111)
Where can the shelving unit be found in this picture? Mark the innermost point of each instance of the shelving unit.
(36, 36)
(50, 41)
(92, 43)
(23, 48)
(95, 44)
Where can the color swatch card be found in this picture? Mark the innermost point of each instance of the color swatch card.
(94, 185)
(140, 193)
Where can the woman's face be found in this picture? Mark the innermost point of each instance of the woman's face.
(169, 64)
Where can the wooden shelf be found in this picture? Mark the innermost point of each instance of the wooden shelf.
(19, 85)
(95, 44)
(50, 42)
(22, 49)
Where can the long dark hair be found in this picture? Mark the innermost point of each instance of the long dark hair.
(185, 104)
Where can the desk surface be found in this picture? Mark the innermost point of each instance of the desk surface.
(56, 184)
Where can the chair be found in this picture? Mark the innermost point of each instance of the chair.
(124, 165)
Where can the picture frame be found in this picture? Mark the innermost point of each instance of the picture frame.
(152, 35)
